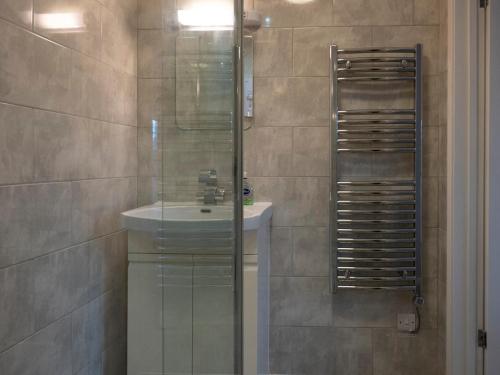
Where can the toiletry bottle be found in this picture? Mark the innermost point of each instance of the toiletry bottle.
(247, 191)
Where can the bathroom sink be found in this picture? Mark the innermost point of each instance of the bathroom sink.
(189, 218)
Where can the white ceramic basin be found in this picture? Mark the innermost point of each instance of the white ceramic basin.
(190, 218)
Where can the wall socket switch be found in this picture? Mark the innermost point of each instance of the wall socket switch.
(407, 322)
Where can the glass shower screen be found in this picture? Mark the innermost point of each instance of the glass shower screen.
(185, 269)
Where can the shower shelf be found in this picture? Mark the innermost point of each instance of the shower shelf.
(375, 220)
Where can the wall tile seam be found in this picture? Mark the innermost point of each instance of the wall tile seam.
(299, 27)
(292, 125)
(76, 116)
(63, 249)
(373, 327)
(51, 182)
(66, 114)
(72, 50)
(262, 77)
(302, 277)
(280, 176)
(67, 315)
(304, 126)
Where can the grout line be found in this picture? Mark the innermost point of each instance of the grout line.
(60, 250)
(66, 114)
(53, 182)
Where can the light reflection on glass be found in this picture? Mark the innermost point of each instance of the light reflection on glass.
(154, 135)
(61, 22)
(207, 17)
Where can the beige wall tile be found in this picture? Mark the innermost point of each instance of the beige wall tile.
(66, 271)
(291, 101)
(372, 12)
(38, 221)
(442, 202)
(281, 251)
(128, 5)
(269, 151)
(149, 153)
(148, 190)
(311, 155)
(15, 85)
(398, 353)
(430, 200)
(54, 342)
(313, 350)
(353, 351)
(280, 349)
(283, 13)
(84, 36)
(430, 253)
(107, 263)
(18, 11)
(149, 93)
(113, 144)
(311, 253)
(296, 201)
(97, 204)
(50, 76)
(51, 228)
(150, 14)
(16, 144)
(15, 224)
(61, 147)
(87, 87)
(17, 287)
(431, 100)
(156, 54)
(427, 12)
(119, 40)
(301, 301)
(430, 149)
(311, 46)
(273, 52)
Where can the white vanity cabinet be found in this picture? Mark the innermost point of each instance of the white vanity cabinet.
(180, 305)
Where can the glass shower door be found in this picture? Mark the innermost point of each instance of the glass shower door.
(199, 236)
(185, 274)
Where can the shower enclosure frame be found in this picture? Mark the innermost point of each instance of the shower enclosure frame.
(238, 187)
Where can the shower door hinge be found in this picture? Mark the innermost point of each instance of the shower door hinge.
(482, 341)
(483, 3)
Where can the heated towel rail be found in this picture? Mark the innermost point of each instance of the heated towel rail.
(375, 220)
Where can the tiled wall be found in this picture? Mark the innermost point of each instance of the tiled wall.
(68, 141)
(287, 157)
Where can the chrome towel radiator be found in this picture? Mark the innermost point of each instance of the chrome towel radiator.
(375, 220)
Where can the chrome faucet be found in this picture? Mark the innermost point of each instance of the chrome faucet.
(210, 193)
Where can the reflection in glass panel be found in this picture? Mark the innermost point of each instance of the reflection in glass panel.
(181, 239)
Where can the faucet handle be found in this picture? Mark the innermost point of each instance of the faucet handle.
(219, 194)
(208, 177)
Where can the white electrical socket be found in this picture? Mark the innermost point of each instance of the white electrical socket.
(407, 322)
